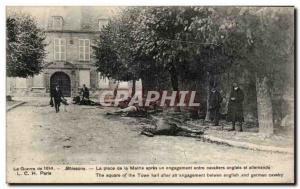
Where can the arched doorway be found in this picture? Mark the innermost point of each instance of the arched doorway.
(63, 80)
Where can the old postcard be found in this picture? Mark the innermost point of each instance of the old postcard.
(154, 94)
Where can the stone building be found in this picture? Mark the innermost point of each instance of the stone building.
(70, 33)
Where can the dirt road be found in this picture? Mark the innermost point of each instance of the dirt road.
(84, 135)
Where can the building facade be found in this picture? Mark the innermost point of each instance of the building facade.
(70, 34)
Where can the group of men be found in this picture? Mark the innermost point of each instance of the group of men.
(57, 97)
(235, 106)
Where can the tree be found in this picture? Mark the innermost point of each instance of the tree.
(268, 32)
(174, 40)
(200, 43)
(25, 46)
(161, 33)
(116, 56)
(219, 41)
(184, 41)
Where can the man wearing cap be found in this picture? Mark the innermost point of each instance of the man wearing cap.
(57, 95)
(235, 107)
(214, 105)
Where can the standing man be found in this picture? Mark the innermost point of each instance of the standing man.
(57, 95)
(235, 106)
(214, 105)
(85, 93)
(116, 90)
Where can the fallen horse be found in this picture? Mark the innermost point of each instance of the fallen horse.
(88, 102)
(161, 123)
(167, 125)
(134, 111)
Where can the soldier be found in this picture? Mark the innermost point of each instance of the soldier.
(235, 106)
(57, 95)
(214, 105)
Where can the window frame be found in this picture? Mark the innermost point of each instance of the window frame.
(84, 50)
(60, 47)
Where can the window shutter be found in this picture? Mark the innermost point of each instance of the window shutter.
(87, 50)
(63, 49)
(59, 49)
(81, 49)
(84, 49)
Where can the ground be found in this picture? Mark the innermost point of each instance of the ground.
(85, 135)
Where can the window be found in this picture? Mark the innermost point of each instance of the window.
(102, 22)
(57, 23)
(59, 49)
(84, 49)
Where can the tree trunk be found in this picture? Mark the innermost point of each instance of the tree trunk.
(133, 87)
(208, 88)
(174, 78)
(264, 107)
(174, 81)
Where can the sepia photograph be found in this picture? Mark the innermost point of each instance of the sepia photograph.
(150, 94)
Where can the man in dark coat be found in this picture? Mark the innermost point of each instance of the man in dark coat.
(214, 105)
(85, 93)
(235, 106)
(57, 95)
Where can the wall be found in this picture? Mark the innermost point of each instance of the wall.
(72, 46)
